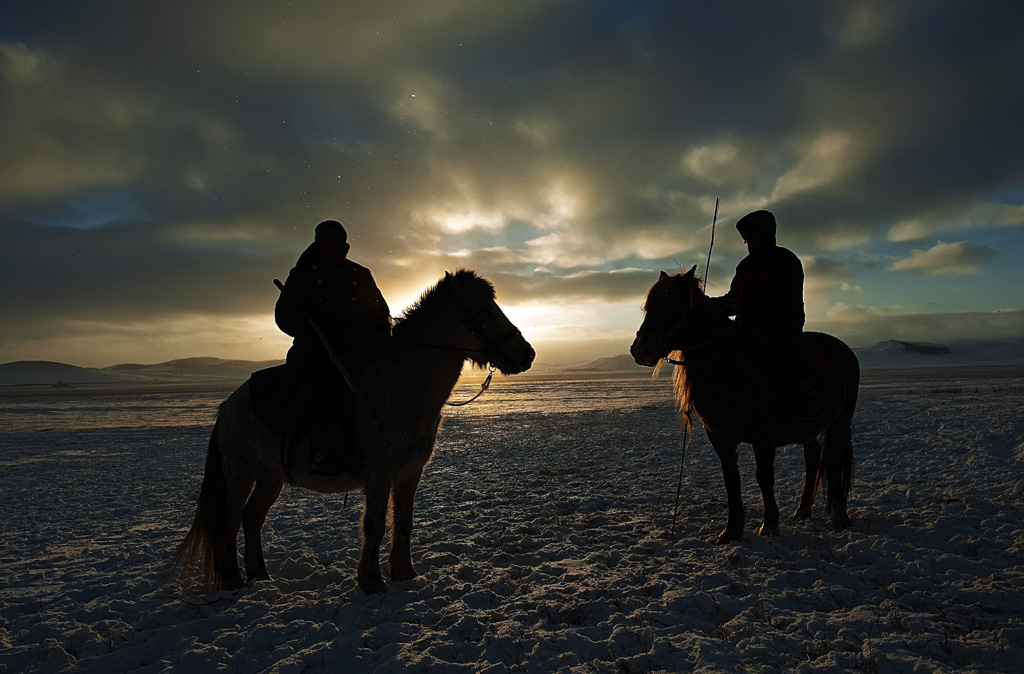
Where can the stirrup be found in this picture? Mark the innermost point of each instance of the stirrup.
(807, 405)
(325, 467)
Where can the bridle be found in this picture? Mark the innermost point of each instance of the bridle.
(476, 328)
(479, 330)
(663, 339)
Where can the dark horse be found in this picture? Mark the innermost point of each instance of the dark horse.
(394, 424)
(729, 379)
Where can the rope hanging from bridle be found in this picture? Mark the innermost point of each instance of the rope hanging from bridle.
(483, 387)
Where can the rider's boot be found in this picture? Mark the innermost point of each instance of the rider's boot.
(805, 400)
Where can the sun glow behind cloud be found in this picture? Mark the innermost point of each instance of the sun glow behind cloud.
(174, 171)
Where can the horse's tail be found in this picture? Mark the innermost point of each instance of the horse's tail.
(203, 549)
(837, 444)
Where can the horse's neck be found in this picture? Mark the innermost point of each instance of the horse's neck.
(713, 332)
(421, 375)
(727, 358)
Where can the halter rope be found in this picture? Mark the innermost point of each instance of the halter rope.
(491, 343)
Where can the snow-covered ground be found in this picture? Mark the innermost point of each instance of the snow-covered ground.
(542, 537)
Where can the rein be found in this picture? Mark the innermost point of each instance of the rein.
(491, 344)
(483, 387)
(733, 330)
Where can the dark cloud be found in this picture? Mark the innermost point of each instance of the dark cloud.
(171, 159)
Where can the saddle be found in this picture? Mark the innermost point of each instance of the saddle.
(271, 392)
(821, 360)
(283, 398)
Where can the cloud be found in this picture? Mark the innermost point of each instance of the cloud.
(966, 217)
(864, 23)
(823, 160)
(862, 326)
(961, 257)
(171, 160)
(64, 129)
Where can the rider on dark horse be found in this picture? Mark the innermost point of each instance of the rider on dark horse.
(767, 294)
(342, 298)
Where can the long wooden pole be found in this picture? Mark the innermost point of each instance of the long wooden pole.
(707, 267)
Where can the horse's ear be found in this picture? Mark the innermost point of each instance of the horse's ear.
(692, 269)
(447, 275)
(663, 275)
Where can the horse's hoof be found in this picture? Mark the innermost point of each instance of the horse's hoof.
(373, 586)
(841, 522)
(729, 537)
(802, 513)
(254, 577)
(403, 575)
(766, 530)
(232, 584)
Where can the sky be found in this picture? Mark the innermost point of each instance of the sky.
(162, 163)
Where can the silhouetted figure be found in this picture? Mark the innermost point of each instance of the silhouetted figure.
(343, 299)
(767, 294)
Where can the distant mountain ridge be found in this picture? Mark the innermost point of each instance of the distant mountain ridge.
(183, 371)
(620, 363)
(899, 353)
(890, 353)
(220, 371)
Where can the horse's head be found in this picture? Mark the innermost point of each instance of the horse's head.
(670, 302)
(485, 330)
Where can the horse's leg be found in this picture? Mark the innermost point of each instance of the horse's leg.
(239, 484)
(263, 496)
(376, 493)
(838, 470)
(402, 496)
(764, 457)
(812, 459)
(729, 458)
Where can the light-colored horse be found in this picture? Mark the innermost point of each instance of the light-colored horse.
(395, 422)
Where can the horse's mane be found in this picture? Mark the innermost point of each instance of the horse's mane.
(680, 376)
(423, 308)
(661, 283)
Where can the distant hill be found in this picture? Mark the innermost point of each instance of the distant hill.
(185, 371)
(897, 353)
(207, 371)
(621, 363)
(888, 354)
(47, 373)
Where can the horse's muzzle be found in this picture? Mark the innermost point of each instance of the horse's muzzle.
(515, 358)
(642, 353)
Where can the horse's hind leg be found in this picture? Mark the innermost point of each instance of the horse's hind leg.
(400, 559)
(728, 457)
(239, 485)
(812, 459)
(254, 516)
(764, 457)
(838, 471)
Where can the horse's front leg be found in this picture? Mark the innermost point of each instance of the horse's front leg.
(376, 494)
(764, 457)
(729, 458)
(402, 497)
(812, 459)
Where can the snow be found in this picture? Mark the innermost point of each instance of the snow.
(542, 539)
(984, 353)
